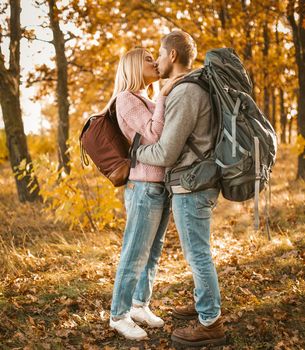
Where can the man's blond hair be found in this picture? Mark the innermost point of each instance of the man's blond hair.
(184, 45)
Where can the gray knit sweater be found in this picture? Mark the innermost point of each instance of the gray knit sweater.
(187, 114)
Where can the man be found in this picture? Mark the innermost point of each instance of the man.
(188, 115)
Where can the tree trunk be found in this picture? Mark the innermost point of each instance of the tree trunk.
(301, 111)
(248, 48)
(283, 117)
(298, 31)
(273, 119)
(61, 89)
(26, 182)
(265, 70)
(290, 123)
(223, 14)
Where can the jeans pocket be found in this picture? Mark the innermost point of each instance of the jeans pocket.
(155, 191)
(129, 192)
(207, 198)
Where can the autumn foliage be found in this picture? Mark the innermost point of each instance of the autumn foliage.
(58, 256)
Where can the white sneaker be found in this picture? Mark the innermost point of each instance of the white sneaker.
(143, 314)
(126, 327)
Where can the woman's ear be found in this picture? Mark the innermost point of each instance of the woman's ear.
(173, 55)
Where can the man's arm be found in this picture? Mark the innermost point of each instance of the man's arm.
(181, 113)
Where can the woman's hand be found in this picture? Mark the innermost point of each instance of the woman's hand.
(166, 89)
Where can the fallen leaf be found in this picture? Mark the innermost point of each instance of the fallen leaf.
(251, 328)
(245, 291)
(32, 322)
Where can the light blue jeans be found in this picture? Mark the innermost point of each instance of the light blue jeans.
(192, 214)
(147, 207)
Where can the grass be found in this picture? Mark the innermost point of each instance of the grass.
(56, 284)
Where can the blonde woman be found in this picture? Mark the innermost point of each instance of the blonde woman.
(146, 199)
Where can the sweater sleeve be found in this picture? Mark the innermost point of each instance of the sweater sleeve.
(139, 118)
(181, 114)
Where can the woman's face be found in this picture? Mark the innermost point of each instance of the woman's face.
(150, 69)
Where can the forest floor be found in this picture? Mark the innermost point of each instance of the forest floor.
(56, 284)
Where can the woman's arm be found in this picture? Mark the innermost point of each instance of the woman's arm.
(139, 118)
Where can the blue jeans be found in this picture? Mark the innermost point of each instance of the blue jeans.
(192, 213)
(147, 208)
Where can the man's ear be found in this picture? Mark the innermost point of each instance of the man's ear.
(173, 55)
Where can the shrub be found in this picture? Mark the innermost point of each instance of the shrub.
(83, 198)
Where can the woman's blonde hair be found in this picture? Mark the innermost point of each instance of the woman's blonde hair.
(129, 75)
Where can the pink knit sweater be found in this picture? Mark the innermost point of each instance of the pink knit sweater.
(134, 117)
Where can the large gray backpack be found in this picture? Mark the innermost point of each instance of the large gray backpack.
(246, 143)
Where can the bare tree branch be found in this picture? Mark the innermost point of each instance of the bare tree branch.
(39, 80)
(4, 8)
(41, 40)
(71, 36)
(81, 68)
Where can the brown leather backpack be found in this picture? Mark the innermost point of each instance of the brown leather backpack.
(102, 139)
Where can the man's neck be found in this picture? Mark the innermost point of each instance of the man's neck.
(178, 70)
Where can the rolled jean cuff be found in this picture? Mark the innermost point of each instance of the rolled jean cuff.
(209, 321)
(140, 303)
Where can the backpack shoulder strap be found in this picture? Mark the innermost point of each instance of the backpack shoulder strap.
(199, 79)
(195, 149)
(133, 150)
(140, 98)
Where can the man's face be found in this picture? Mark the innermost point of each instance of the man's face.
(165, 66)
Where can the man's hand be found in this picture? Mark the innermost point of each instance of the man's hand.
(167, 88)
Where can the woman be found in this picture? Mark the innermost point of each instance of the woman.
(146, 199)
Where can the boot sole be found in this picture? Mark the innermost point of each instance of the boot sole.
(184, 317)
(216, 342)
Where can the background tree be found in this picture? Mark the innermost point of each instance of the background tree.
(27, 186)
(61, 88)
(296, 18)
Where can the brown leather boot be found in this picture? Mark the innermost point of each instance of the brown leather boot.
(200, 335)
(187, 312)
